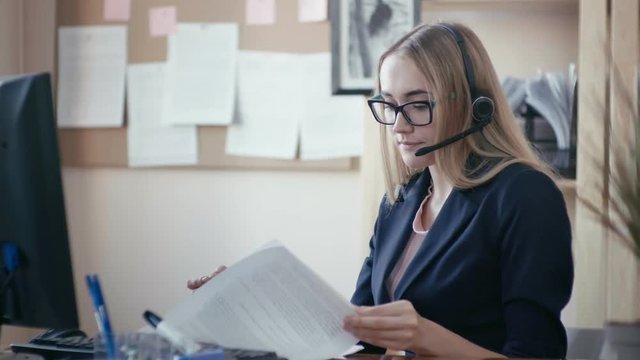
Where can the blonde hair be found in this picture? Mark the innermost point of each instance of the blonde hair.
(500, 143)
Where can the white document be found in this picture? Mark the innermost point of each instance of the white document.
(286, 98)
(91, 76)
(331, 126)
(270, 104)
(201, 74)
(151, 142)
(516, 91)
(548, 94)
(269, 300)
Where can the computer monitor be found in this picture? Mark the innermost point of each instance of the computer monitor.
(36, 280)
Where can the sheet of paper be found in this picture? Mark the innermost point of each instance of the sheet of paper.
(91, 75)
(312, 10)
(333, 128)
(548, 95)
(201, 74)
(151, 142)
(269, 106)
(261, 12)
(162, 21)
(269, 300)
(119, 10)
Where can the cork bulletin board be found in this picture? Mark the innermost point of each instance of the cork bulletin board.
(108, 147)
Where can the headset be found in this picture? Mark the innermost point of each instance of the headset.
(482, 107)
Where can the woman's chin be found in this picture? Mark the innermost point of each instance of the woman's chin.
(417, 162)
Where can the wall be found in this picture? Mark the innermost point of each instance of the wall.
(147, 231)
(520, 36)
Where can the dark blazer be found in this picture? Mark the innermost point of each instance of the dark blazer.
(495, 267)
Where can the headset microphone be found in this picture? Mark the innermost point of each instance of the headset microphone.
(482, 107)
(427, 149)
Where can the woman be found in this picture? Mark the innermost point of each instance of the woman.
(471, 251)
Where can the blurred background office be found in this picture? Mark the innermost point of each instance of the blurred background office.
(147, 229)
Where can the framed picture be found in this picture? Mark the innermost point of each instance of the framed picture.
(361, 30)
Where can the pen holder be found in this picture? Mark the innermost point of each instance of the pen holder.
(134, 346)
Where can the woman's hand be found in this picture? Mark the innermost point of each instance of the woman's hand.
(195, 284)
(395, 325)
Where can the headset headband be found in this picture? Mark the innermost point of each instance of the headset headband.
(468, 69)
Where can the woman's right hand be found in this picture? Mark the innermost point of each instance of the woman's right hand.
(195, 284)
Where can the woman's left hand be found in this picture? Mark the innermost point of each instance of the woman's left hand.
(396, 325)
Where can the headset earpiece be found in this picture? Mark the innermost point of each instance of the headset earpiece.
(482, 108)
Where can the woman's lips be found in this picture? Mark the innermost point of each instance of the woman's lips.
(409, 146)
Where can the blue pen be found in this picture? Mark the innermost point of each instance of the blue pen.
(101, 314)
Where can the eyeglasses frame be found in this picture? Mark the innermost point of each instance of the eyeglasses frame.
(378, 99)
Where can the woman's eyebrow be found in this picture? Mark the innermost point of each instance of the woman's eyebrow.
(408, 94)
(416, 92)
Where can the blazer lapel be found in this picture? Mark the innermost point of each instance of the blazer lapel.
(446, 229)
(396, 234)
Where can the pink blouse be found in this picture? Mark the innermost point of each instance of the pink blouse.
(415, 240)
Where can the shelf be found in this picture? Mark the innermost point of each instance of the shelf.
(482, 2)
(567, 184)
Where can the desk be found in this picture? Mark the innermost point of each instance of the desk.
(8, 355)
(395, 357)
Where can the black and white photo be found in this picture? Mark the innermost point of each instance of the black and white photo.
(360, 31)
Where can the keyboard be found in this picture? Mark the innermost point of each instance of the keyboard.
(81, 347)
(72, 347)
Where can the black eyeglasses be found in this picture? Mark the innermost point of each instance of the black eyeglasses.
(417, 113)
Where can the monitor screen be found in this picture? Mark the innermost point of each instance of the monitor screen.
(36, 280)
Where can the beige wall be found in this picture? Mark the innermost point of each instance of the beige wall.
(520, 36)
(10, 40)
(147, 231)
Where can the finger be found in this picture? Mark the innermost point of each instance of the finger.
(194, 284)
(197, 283)
(382, 322)
(220, 269)
(386, 339)
(388, 309)
(391, 331)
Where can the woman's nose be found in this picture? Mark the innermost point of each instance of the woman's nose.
(401, 124)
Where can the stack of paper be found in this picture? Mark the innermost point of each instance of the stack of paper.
(515, 90)
(551, 95)
(270, 301)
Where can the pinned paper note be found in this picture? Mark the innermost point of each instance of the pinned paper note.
(162, 21)
(117, 10)
(312, 10)
(261, 12)
(201, 74)
(91, 75)
(150, 142)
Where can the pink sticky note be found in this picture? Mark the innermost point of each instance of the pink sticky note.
(162, 20)
(261, 12)
(117, 9)
(312, 10)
